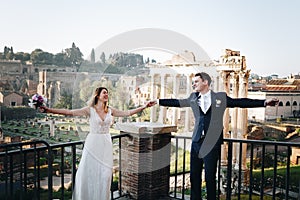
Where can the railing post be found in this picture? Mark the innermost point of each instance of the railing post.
(145, 161)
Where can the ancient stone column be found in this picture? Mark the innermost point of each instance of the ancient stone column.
(153, 96)
(226, 84)
(52, 128)
(242, 125)
(175, 93)
(188, 110)
(145, 159)
(234, 116)
(162, 110)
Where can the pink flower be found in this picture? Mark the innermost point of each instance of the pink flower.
(38, 100)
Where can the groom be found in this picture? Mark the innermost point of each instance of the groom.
(208, 108)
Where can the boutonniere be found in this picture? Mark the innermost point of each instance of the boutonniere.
(218, 102)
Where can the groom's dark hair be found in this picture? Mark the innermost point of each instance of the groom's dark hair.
(204, 76)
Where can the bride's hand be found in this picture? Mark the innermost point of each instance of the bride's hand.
(43, 109)
(150, 103)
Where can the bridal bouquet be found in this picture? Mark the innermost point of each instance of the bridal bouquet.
(37, 100)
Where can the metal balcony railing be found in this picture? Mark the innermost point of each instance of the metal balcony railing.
(24, 166)
(29, 169)
(267, 171)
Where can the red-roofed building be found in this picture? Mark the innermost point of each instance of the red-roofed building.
(286, 90)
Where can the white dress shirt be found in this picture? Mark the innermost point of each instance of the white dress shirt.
(205, 101)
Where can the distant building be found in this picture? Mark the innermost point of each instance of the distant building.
(286, 90)
(136, 88)
(53, 84)
(12, 99)
(173, 79)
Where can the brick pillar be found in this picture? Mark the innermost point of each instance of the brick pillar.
(145, 159)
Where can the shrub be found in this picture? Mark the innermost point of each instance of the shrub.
(11, 113)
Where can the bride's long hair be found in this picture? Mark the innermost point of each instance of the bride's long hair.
(94, 99)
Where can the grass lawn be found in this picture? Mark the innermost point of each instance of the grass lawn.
(281, 176)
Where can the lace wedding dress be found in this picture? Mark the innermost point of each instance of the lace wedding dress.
(93, 177)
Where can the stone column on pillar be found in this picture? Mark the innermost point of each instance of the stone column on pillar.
(52, 128)
(145, 159)
(242, 125)
(226, 84)
(175, 93)
(187, 125)
(162, 109)
(234, 116)
(153, 95)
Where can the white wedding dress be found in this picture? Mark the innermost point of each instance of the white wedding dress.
(94, 174)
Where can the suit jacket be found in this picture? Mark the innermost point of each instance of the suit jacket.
(214, 127)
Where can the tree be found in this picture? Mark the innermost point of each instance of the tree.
(102, 57)
(38, 56)
(147, 61)
(65, 101)
(74, 56)
(22, 56)
(93, 56)
(59, 59)
(122, 98)
(6, 50)
(85, 90)
(8, 53)
(113, 69)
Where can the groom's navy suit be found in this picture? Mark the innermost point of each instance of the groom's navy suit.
(207, 136)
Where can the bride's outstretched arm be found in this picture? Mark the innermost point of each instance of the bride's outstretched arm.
(121, 113)
(75, 112)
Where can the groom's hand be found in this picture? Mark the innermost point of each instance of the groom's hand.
(272, 102)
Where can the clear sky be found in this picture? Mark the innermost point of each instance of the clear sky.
(267, 32)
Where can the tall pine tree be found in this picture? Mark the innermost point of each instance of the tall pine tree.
(93, 56)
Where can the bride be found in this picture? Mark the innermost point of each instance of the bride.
(94, 173)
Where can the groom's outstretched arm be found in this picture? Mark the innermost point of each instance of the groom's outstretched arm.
(173, 102)
(250, 103)
(169, 102)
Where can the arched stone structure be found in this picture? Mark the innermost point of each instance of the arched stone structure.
(173, 79)
(230, 74)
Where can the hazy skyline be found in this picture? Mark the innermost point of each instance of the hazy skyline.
(266, 32)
